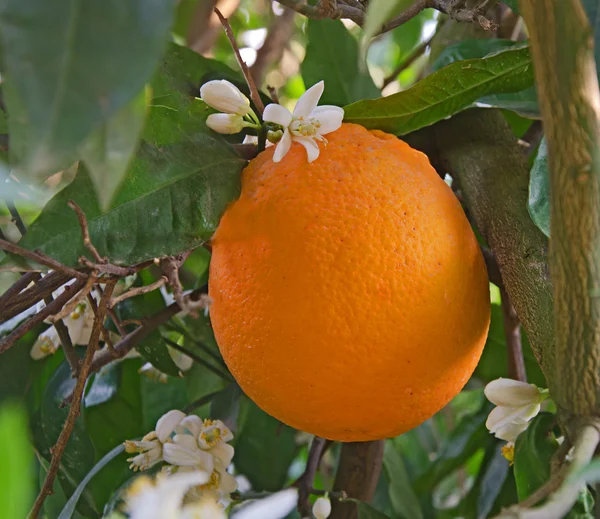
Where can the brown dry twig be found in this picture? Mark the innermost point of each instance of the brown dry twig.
(305, 482)
(105, 333)
(137, 291)
(65, 342)
(245, 70)
(72, 304)
(74, 410)
(85, 232)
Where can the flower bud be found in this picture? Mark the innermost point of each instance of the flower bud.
(512, 393)
(225, 97)
(225, 123)
(322, 508)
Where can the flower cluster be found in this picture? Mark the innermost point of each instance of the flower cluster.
(517, 403)
(307, 125)
(187, 444)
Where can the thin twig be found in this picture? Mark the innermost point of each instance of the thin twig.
(40, 258)
(305, 482)
(138, 291)
(17, 287)
(416, 54)
(85, 232)
(512, 332)
(198, 359)
(107, 268)
(74, 410)
(65, 342)
(120, 326)
(245, 70)
(72, 304)
(37, 318)
(16, 217)
(273, 93)
(105, 332)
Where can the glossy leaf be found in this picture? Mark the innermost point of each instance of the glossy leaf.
(109, 148)
(539, 186)
(533, 453)
(154, 350)
(265, 450)
(104, 386)
(225, 406)
(445, 92)
(404, 500)
(332, 56)
(159, 398)
(366, 511)
(16, 462)
(175, 190)
(60, 82)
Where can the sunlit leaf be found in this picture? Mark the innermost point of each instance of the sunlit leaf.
(445, 92)
(403, 498)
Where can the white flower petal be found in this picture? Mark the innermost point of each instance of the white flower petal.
(225, 97)
(186, 440)
(330, 120)
(510, 431)
(277, 114)
(502, 416)
(182, 457)
(322, 508)
(277, 506)
(166, 424)
(224, 452)
(327, 108)
(204, 509)
(512, 393)
(181, 360)
(192, 423)
(312, 148)
(309, 100)
(46, 344)
(227, 482)
(283, 146)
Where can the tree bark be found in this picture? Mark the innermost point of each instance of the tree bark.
(358, 473)
(563, 55)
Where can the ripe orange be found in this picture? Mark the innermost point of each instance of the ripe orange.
(350, 296)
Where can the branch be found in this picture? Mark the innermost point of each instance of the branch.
(74, 410)
(255, 96)
(85, 233)
(512, 332)
(414, 56)
(16, 217)
(562, 45)
(137, 291)
(21, 284)
(559, 503)
(305, 482)
(65, 342)
(358, 473)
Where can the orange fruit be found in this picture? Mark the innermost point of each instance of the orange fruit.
(350, 296)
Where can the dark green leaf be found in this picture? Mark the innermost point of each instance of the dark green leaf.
(467, 437)
(154, 350)
(539, 185)
(16, 462)
(17, 368)
(533, 453)
(513, 4)
(403, 498)
(445, 92)
(201, 382)
(71, 64)
(104, 385)
(332, 56)
(159, 398)
(175, 190)
(366, 511)
(265, 450)
(109, 148)
(225, 406)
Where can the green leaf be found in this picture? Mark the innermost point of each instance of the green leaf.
(380, 12)
(533, 453)
(265, 450)
(332, 56)
(16, 462)
(539, 186)
(403, 498)
(466, 438)
(104, 386)
(366, 511)
(153, 349)
(159, 398)
(69, 509)
(175, 190)
(445, 92)
(71, 64)
(592, 8)
(109, 148)
(513, 4)
(225, 406)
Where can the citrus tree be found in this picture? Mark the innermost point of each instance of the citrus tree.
(295, 259)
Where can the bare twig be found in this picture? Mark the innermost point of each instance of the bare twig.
(305, 482)
(138, 291)
(17, 287)
(74, 410)
(40, 258)
(65, 341)
(245, 70)
(34, 320)
(512, 332)
(279, 33)
(85, 232)
(414, 56)
(16, 217)
(72, 304)
(107, 268)
(104, 331)
(273, 93)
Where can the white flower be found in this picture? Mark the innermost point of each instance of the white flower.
(322, 508)
(226, 123)
(150, 451)
(205, 508)
(163, 497)
(517, 403)
(277, 506)
(167, 423)
(181, 360)
(225, 97)
(307, 124)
